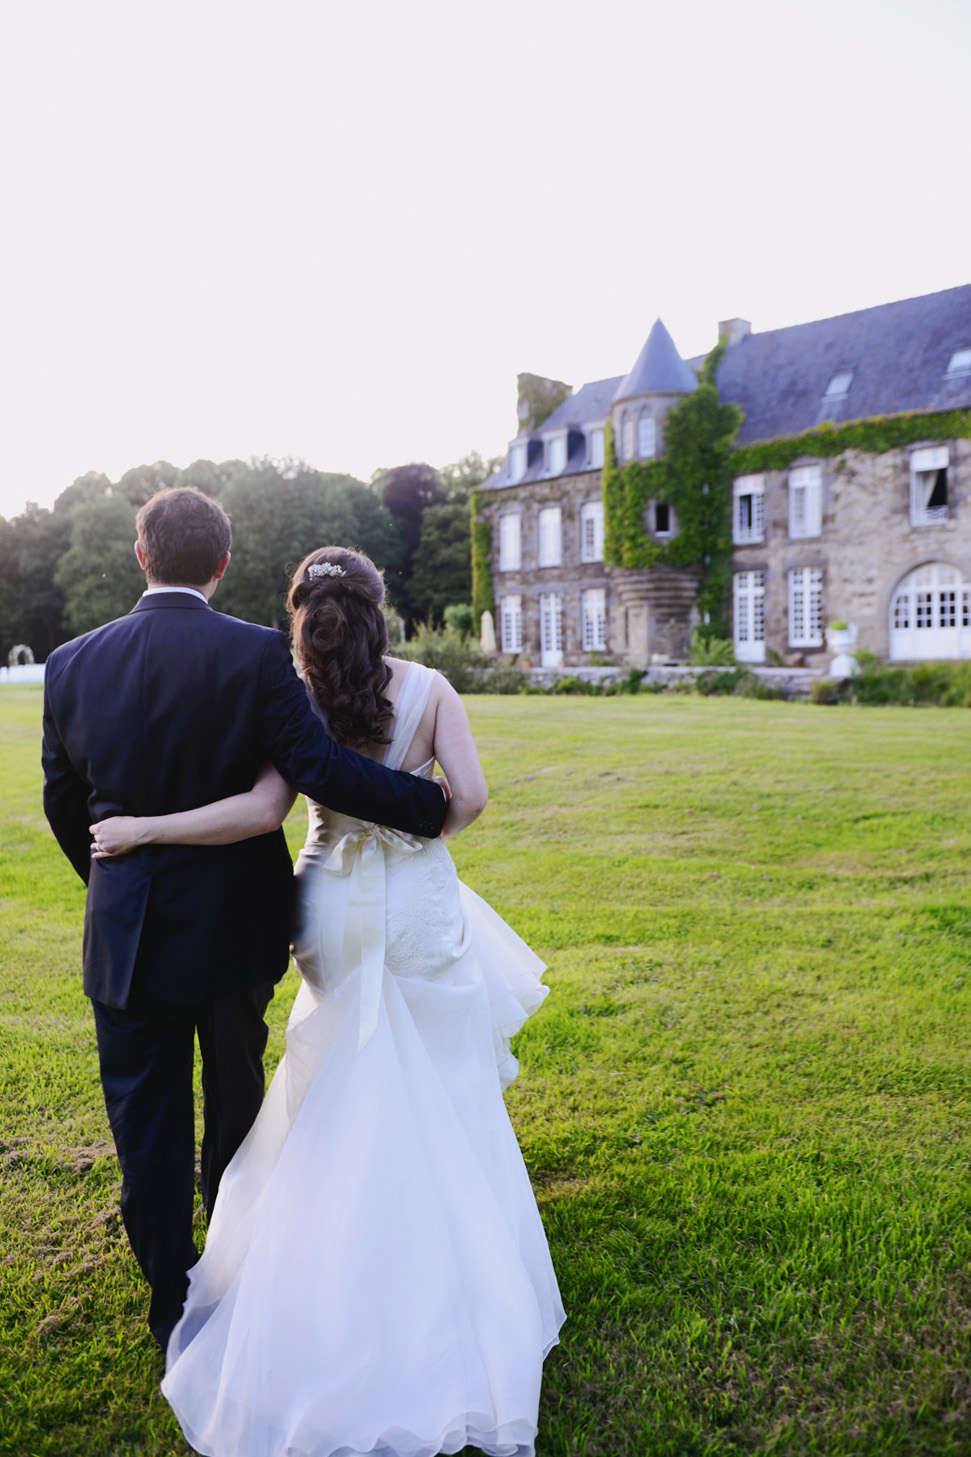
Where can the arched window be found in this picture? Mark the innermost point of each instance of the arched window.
(627, 436)
(930, 614)
(646, 436)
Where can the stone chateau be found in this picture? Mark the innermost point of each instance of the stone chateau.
(872, 527)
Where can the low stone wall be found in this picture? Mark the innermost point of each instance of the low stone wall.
(25, 673)
(792, 682)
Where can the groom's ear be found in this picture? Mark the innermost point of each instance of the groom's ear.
(140, 555)
(221, 566)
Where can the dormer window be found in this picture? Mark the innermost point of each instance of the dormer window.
(646, 436)
(839, 386)
(596, 448)
(517, 462)
(960, 363)
(556, 455)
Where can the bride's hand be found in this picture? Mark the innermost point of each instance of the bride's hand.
(118, 836)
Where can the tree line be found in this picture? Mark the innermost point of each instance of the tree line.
(66, 570)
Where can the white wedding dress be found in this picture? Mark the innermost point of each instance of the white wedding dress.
(376, 1278)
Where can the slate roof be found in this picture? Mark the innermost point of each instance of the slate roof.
(589, 406)
(659, 369)
(897, 353)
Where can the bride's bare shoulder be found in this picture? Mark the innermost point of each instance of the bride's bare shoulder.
(400, 666)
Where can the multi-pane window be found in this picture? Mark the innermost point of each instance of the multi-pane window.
(805, 501)
(557, 454)
(749, 608)
(550, 537)
(510, 542)
(748, 514)
(511, 622)
(593, 616)
(646, 436)
(596, 449)
(551, 625)
(517, 462)
(931, 597)
(806, 607)
(928, 486)
(592, 531)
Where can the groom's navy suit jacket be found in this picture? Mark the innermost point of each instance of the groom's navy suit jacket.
(166, 709)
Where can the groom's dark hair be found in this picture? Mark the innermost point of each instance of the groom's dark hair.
(183, 534)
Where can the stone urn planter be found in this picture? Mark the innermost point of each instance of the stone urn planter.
(841, 639)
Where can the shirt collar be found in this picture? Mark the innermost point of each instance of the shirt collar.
(191, 590)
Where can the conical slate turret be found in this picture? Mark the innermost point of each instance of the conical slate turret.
(659, 369)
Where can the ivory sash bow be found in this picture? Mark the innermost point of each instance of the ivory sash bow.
(360, 855)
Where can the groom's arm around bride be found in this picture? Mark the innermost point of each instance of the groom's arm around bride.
(166, 709)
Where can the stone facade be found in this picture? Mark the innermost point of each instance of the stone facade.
(866, 547)
(880, 540)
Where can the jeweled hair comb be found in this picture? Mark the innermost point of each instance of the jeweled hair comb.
(325, 569)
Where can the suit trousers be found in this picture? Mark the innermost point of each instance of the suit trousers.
(146, 1056)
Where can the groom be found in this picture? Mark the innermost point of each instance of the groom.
(168, 708)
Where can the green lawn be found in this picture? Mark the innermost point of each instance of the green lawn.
(746, 1105)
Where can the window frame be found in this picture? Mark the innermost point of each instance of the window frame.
(805, 596)
(592, 514)
(548, 555)
(556, 445)
(748, 614)
(593, 623)
(924, 462)
(752, 489)
(806, 481)
(511, 622)
(646, 418)
(506, 564)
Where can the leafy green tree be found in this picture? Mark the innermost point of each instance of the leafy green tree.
(442, 565)
(464, 475)
(41, 538)
(280, 512)
(98, 574)
(407, 491)
(10, 607)
(85, 488)
(143, 481)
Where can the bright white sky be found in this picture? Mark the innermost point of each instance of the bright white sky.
(337, 230)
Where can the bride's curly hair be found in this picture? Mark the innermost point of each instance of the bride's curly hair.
(340, 638)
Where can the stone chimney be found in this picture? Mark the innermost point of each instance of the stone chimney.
(734, 330)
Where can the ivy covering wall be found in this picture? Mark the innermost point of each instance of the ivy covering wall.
(483, 598)
(692, 477)
(876, 436)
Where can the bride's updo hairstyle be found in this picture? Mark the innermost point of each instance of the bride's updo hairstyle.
(340, 637)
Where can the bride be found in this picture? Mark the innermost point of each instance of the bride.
(376, 1279)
